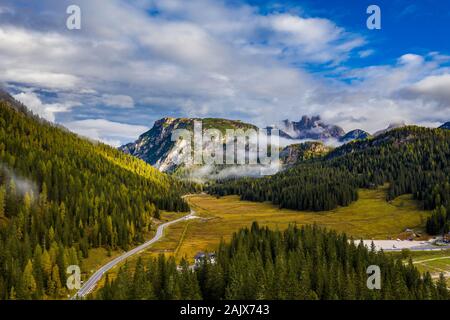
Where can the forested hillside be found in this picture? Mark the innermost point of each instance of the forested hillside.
(61, 195)
(411, 159)
(306, 263)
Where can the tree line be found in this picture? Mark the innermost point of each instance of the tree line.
(306, 263)
(61, 195)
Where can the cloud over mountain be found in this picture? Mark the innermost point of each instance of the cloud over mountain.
(145, 59)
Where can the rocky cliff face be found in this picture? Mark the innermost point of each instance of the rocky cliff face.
(155, 145)
(157, 148)
(311, 128)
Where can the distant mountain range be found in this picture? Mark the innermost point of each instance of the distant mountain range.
(156, 147)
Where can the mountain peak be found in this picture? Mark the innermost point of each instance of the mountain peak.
(445, 126)
(311, 128)
(13, 103)
(391, 126)
(166, 120)
(5, 96)
(398, 124)
(356, 134)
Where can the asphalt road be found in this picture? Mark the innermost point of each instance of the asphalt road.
(90, 284)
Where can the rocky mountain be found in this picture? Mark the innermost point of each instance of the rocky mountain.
(157, 148)
(445, 126)
(311, 128)
(296, 153)
(353, 135)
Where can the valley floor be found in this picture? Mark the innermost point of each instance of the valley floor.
(371, 217)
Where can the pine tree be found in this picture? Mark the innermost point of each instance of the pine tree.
(78, 186)
(46, 264)
(442, 290)
(2, 201)
(306, 263)
(29, 283)
(12, 294)
(55, 281)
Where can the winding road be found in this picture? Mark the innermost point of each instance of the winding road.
(90, 284)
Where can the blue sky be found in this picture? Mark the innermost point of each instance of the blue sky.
(260, 61)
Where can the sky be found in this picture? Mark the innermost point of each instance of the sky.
(136, 61)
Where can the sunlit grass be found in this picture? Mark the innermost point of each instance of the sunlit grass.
(371, 217)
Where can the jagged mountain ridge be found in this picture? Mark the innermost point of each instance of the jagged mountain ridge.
(311, 128)
(156, 148)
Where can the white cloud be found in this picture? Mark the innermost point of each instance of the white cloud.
(120, 101)
(6, 10)
(39, 78)
(433, 87)
(312, 31)
(411, 59)
(46, 111)
(109, 132)
(210, 58)
(365, 53)
(312, 39)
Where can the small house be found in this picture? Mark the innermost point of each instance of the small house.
(200, 257)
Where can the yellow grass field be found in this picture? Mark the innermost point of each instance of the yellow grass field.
(371, 217)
